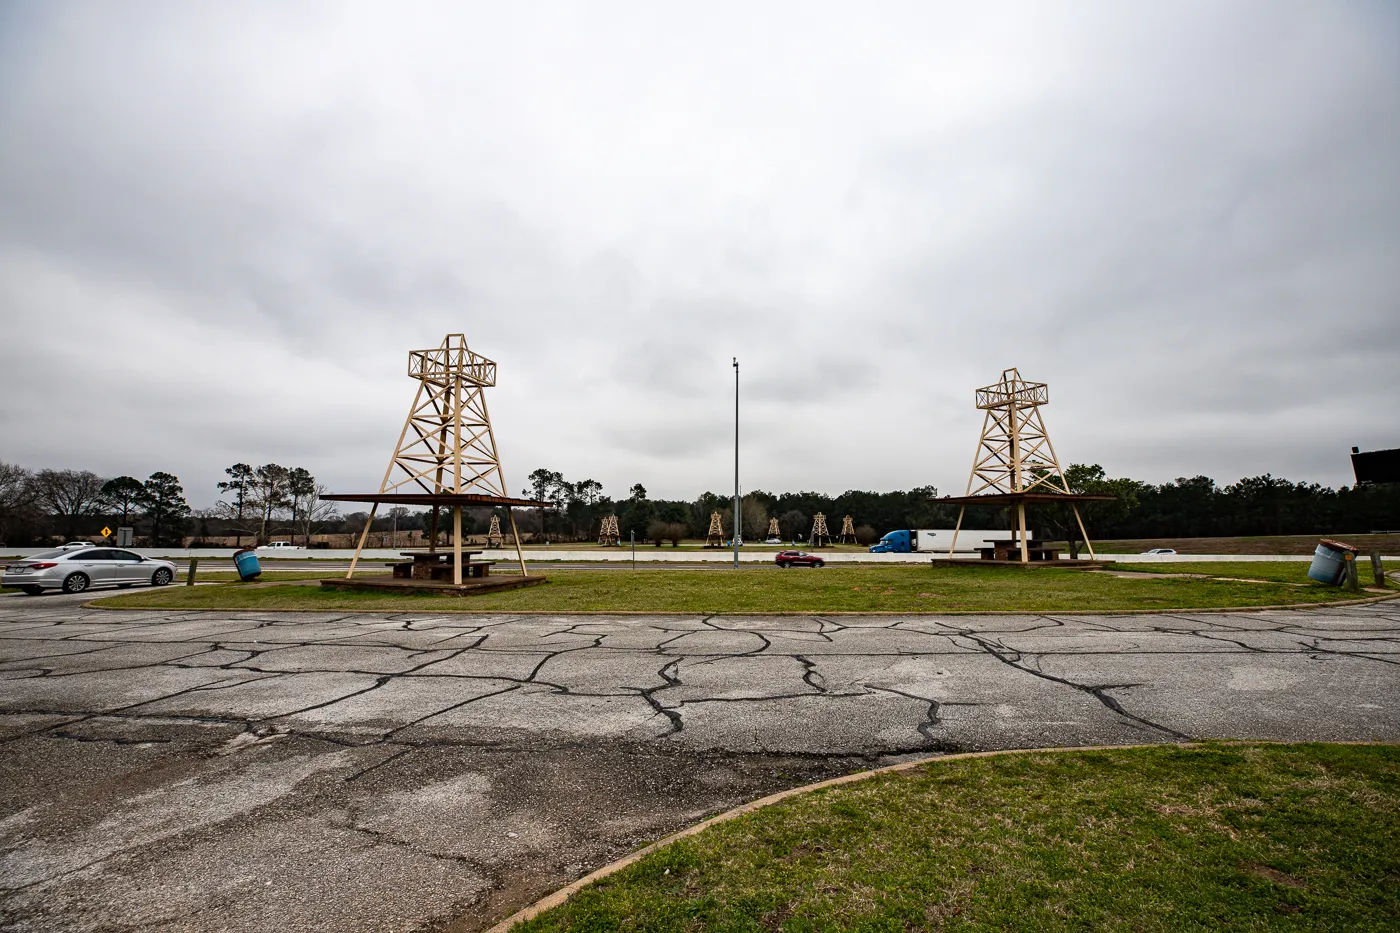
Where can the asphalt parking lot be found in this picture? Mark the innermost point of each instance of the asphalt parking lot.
(182, 771)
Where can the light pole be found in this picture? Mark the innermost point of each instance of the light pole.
(736, 464)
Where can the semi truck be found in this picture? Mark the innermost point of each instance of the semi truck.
(907, 541)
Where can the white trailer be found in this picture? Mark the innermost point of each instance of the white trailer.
(969, 539)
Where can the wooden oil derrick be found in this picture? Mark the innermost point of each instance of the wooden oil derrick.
(773, 531)
(494, 538)
(848, 531)
(446, 453)
(821, 536)
(608, 534)
(1015, 462)
(715, 536)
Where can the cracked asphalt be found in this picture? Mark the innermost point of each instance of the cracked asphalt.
(180, 771)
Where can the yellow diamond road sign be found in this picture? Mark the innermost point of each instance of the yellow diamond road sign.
(106, 532)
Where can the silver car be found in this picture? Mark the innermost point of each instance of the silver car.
(77, 570)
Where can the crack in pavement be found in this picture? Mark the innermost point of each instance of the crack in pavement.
(563, 718)
(1097, 692)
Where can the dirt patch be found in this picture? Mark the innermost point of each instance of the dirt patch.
(1272, 874)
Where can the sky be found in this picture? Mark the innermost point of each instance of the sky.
(224, 226)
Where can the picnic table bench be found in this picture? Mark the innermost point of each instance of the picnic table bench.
(1011, 550)
(438, 565)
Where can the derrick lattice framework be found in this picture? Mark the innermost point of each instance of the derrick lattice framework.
(1015, 462)
(848, 531)
(773, 531)
(493, 534)
(447, 445)
(821, 535)
(715, 536)
(608, 534)
(1014, 454)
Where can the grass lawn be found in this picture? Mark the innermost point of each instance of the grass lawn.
(898, 588)
(1219, 837)
(1263, 544)
(1281, 571)
(270, 576)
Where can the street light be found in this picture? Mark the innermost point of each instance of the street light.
(736, 464)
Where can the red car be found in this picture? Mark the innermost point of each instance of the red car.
(798, 559)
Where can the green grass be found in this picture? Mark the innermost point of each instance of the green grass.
(1220, 837)
(229, 576)
(1248, 544)
(899, 588)
(1280, 571)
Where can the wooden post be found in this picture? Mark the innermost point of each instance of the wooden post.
(364, 536)
(1349, 566)
(956, 528)
(189, 574)
(1021, 520)
(515, 533)
(1087, 543)
(457, 545)
(1377, 570)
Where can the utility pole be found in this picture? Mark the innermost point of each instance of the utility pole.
(736, 463)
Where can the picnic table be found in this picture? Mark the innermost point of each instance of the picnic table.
(1011, 550)
(438, 565)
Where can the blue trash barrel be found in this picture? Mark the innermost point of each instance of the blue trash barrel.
(246, 561)
(1328, 565)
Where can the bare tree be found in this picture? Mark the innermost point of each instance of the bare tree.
(315, 511)
(17, 497)
(240, 523)
(399, 514)
(754, 515)
(70, 494)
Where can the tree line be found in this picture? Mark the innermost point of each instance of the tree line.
(35, 505)
(1183, 508)
(270, 500)
(38, 506)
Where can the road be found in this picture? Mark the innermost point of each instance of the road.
(182, 771)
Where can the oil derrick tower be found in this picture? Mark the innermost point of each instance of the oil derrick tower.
(608, 535)
(446, 453)
(773, 531)
(848, 531)
(715, 536)
(821, 537)
(1015, 463)
(493, 534)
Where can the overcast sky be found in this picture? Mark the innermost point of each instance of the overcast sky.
(224, 225)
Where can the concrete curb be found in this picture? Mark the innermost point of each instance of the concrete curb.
(95, 604)
(560, 896)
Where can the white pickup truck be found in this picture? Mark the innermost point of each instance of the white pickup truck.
(280, 546)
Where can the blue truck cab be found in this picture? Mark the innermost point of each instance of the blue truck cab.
(895, 542)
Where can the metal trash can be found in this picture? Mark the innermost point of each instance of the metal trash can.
(246, 561)
(1329, 562)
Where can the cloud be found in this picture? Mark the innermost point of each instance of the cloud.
(223, 229)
